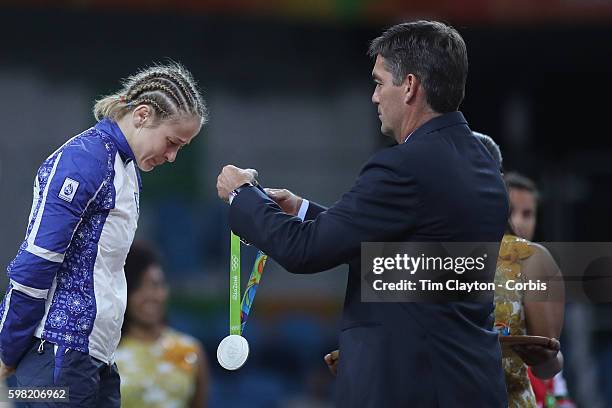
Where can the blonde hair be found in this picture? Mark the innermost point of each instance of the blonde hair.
(169, 90)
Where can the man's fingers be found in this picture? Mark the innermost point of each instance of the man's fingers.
(253, 173)
(331, 363)
(229, 167)
(278, 194)
(554, 344)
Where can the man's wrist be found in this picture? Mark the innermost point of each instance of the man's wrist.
(237, 190)
(302, 208)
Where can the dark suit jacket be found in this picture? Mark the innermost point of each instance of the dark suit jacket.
(440, 185)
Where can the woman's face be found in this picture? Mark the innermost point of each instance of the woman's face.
(154, 146)
(147, 303)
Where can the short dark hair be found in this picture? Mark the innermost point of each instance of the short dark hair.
(434, 52)
(141, 256)
(492, 148)
(520, 182)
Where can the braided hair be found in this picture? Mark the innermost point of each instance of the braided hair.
(169, 90)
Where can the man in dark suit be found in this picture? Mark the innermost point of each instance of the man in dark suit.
(437, 184)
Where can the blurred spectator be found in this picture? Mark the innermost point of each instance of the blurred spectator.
(159, 366)
(516, 312)
(523, 195)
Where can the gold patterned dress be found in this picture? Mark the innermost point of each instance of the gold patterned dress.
(158, 374)
(510, 317)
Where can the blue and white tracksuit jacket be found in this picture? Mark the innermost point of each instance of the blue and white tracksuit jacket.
(67, 284)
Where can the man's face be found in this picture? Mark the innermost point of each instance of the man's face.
(523, 215)
(389, 99)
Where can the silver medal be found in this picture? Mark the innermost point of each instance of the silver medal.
(233, 352)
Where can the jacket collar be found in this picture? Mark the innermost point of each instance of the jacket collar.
(439, 122)
(111, 128)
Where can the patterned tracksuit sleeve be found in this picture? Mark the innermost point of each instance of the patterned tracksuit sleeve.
(65, 185)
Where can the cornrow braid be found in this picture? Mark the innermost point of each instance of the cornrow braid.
(169, 89)
(181, 99)
(152, 87)
(148, 92)
(177, 79)
(181, 79)
(184, 79)
(199, 106)
(190, 89)
(158, 108)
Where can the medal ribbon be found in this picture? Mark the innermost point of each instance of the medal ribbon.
(239, 312)
(251, 289)
(235, 285)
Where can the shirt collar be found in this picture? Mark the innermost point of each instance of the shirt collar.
(439, 122)
(111, 128)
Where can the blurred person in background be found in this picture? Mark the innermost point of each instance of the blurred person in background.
(63, 309)
(516, 312)
(160, 367)
(437, 184)
(492, 147)
(524, 197)
(524, 312)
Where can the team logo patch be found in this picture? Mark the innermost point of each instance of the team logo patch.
(68, 190)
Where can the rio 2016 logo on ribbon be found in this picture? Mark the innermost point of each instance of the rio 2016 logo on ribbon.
(235, 263)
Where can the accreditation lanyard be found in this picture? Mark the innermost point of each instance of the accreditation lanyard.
(239, 312)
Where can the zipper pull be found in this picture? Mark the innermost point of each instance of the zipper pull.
(41, 348)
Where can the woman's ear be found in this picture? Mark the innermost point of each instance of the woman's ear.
(140, 115)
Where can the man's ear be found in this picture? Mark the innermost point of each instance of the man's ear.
(410, 87)
(141, 115)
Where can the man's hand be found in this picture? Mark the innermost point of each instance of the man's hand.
(5, 371)
(332, 360)
(286, 200)
(232, 177)
(534, 355)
